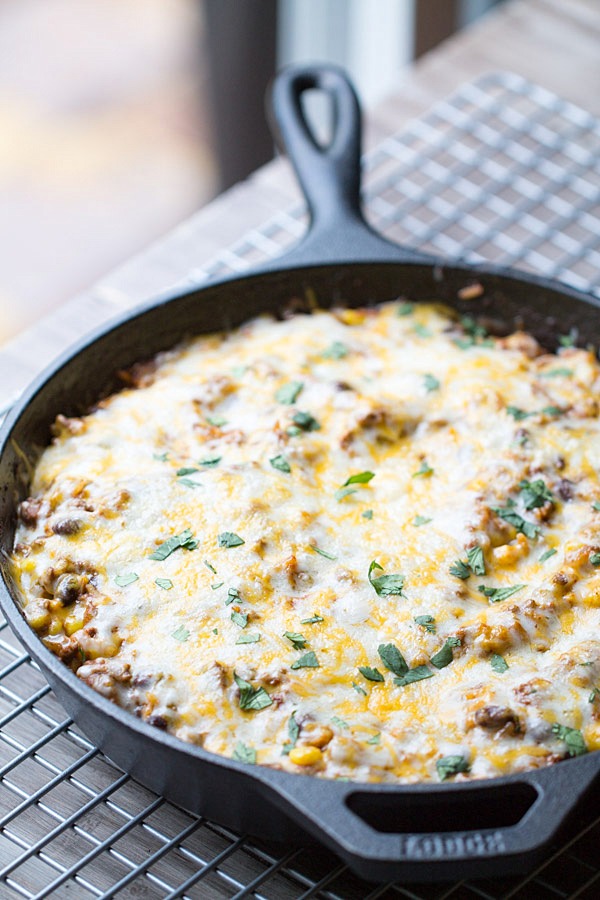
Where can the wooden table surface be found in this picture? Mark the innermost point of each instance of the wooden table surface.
(551, 42)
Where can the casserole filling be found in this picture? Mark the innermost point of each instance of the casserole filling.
(361, 544)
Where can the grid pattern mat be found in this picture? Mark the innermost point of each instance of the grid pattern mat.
(501, 171)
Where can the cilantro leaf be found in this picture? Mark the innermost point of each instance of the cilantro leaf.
(232, 594)
(444, 657)
(184, 539)
(324, 553)
(535, 493)
(370, 674)
(216, 421)
(230, 539)
(547, 554)
(313, 619)
(165, 583)
(281, 463)
(186, 470)
(430, 383)
(595, 559)
(386, 585)
(424, 470)
(518, 414)
(297, 639)
(460, 569)
(426, 622)
(248, 639)
(211, 462)
(498, 663)
(344, 492)
(244, 754)
(305, 421)
(368, 514)
(339, 722)
(421, 520)
(498, 594)
(448, 766)
(572, 737)
(359, 689)
(509, 515)
(181, 634)
(360, 478)
(308, 661)
(251, 697)
(375, 739)
(124, 580)
(392, 659)
(476, 560)
(293, 731)
(405, 309)
(209, 566)
(419, 673)
(596, 505)
(288, 393)
(336, 350)
(239, 618)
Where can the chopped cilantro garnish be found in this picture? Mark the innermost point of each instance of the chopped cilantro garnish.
(430, 382)
(547, 554)
(251, 697)
(360, 478)
(405, 309)
(557, 373)
(186, 470)
(324, 553)
(313, 620)
(421, 330)
(518, 414)
(336, 350)
(344, 492)
(217, 585)
(595, 559)
(509, 514)
(386, 585)
(209, 566)
(185, 539)
(244, 754)
(165, 583)
(368, 514)
(498, 594)
(596, 505)
(424, 470)
(392, 659)
(229, 539)
(297, 639)
(572, 737)
(370, 674)
(239, 618)
(281, 463)
(476, 560)
(124, 580)
(232, 594)
(216, 421)
(339, 722)
(568, 340)
(375, 739)
(359, 689)
(535, 493)
(448, 766)
(444, 657)
(248, 639)
(181, 634)
(421, 520)
(293, 731)
(498, 663)
(288, 393)
(211, 461)
(552, 410)
(426, 622)
(161, 457)
(188, 482)
(419, 673)
(472, 327)
(593, 694)
(308, 661)
(460, 569)
(305, 421)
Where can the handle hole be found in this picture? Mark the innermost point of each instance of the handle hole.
(318, 112)
(473, 809)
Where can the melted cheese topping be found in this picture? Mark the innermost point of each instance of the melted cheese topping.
(382, 556)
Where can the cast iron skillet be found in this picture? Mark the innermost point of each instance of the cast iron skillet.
(419, 832)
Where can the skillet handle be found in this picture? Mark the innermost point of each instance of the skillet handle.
(428, 832)
(329, 175)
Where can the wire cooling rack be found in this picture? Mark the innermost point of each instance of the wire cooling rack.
(501, 171)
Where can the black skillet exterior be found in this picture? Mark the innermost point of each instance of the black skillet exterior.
(417, 832)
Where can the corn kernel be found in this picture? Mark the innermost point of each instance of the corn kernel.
(72, 624)
(39, 619)
(351, 316)
(305, 756)
(56, 627)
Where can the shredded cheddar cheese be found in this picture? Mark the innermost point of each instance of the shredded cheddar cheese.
(359, 543)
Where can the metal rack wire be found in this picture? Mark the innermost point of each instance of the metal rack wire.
(501, 171)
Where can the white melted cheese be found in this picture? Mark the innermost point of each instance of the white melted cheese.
(454, 429)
